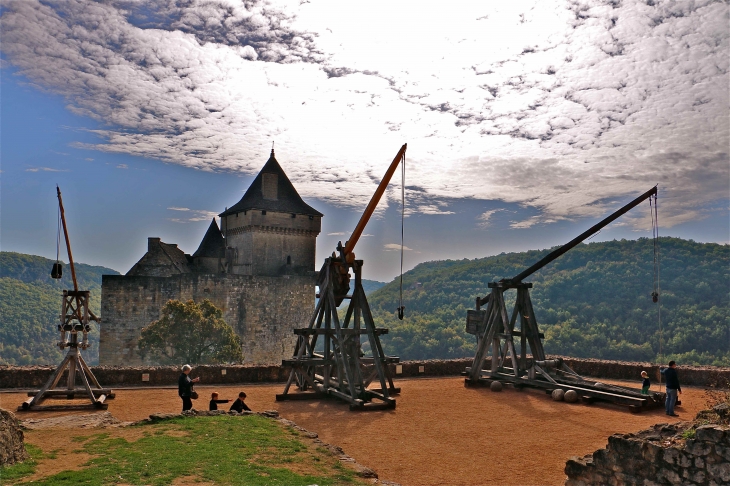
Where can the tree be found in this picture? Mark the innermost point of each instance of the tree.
(190, 333)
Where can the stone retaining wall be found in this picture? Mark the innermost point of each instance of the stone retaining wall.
(115, 376)
(657, 456)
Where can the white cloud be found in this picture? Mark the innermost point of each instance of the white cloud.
(194, 215)
(484, 219)
(339, 233)
(395, 247)
(566, 107)
(122, 166)
(45, 169)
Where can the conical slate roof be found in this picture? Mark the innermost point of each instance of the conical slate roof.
(213, 245)
(286, 199)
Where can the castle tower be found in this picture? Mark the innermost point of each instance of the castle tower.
(271, 231)
(258, 267)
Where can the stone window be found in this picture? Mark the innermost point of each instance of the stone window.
(269, 186)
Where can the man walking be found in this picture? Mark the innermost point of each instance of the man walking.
(672, 380)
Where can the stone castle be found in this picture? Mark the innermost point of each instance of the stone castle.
(258, 266)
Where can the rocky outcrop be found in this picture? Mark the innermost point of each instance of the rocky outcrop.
(12, 447)
(686, 453)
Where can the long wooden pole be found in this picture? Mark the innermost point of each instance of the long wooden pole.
(68, 243)
(578, 239)
(350, 244)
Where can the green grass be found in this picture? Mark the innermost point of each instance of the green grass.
(249, 450)
(16, 471)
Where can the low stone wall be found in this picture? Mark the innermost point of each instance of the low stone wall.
(657, 456)
(153, 376)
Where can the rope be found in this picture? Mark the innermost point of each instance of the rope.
(58, 233)
(401, 307)
(57, 266)
(656, 287)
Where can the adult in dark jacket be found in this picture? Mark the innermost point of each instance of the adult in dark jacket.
(672, 386)
(238, 405)
(185, 387)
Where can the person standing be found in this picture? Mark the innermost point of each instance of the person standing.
(672, 387)
(645, 383)
(185, 387)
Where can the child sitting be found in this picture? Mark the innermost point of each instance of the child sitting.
(238, 405)
(214, 401)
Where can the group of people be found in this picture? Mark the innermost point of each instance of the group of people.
(187, 393)
(672, 387)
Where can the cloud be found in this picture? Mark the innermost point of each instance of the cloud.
(484, 219)
(564, 107)
(530, 222)
(395, 247)
(122, 166)
(45, 169)
(193, 216)
(339, 233)
(89, 159)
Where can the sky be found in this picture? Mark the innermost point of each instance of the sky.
(526, 121)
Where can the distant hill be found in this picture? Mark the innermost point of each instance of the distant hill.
(592, 302)
(370, 286)
(30, 304)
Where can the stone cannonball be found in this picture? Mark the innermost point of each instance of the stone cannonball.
(571, 396)
(496, 386)
(558, 395)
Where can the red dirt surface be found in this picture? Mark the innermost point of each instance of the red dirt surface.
(441, 433)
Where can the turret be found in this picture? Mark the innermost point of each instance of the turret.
(271, 230)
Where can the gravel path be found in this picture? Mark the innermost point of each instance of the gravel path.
(441, 433)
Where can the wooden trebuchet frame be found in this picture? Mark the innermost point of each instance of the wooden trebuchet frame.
(75, 318)
(495, 333)
(335, 365)
(523, 367)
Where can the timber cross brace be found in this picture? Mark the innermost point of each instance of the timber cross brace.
(336, 365)
(495, 332)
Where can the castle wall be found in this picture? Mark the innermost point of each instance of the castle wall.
(262, 310)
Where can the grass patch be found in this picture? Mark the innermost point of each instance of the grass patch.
(689, 434)
(23, 469)
(249, 450)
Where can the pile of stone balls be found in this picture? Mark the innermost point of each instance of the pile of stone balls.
(570, 396)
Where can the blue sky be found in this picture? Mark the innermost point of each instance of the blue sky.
(151, 124)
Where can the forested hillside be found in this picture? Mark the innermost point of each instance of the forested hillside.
(30, 304)
(593, 302)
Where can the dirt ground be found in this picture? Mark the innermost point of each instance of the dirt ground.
(441, 433)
